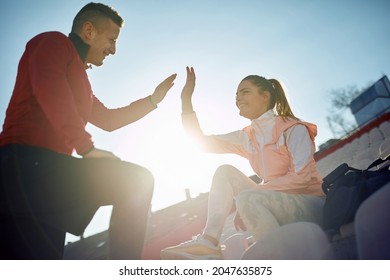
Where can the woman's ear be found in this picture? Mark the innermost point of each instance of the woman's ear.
(267, 98)
(266, 95)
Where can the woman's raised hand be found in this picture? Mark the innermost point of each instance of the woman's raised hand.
(188, 90)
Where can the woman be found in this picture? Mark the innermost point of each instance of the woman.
(280, 149)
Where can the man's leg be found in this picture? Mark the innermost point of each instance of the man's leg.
(22, 235)
(65, 192)
(28, 239)
(128, 188)
(129, 219)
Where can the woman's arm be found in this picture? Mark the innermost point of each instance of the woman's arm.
(228, 143)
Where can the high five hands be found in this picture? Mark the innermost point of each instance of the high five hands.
(186, 94)
(156, 97)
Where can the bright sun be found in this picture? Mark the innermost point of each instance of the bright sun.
(177, 164)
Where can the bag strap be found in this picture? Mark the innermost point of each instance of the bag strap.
(339, 171)
(378, 161)
(342, 169)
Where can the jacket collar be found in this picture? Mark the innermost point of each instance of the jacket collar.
(265, 118)
(81, 47)
(264, 126)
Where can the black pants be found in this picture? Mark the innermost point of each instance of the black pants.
(52, 193)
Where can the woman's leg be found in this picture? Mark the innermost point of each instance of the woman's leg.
(227, 182)
(263, 210)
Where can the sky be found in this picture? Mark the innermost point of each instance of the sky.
(312, 47)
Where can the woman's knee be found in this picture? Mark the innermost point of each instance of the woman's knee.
(225, 170)
(222, 176)
(227, 176)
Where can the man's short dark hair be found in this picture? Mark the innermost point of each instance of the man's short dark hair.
(94, 12)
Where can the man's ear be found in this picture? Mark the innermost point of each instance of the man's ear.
(88, 31)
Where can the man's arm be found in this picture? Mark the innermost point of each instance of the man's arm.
(112, 119)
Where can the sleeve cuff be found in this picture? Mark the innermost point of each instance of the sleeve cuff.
(87, 151)
(152, 102)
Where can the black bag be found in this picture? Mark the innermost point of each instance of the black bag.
(346, 188)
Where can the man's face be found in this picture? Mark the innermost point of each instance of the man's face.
(102, 42)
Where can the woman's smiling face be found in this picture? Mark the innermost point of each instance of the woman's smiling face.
(251, 100)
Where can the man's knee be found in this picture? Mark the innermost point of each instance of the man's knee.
(135, 182)
(145, 182)
(147, 179)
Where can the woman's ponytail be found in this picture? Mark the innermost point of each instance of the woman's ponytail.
(281, 105)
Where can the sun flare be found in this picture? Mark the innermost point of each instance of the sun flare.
(177, 164)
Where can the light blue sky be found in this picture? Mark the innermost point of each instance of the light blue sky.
(312, 47)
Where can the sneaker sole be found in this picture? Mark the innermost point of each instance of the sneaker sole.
(186, 256)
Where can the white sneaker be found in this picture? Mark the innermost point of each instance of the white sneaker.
(198, 248)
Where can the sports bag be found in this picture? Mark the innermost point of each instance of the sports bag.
(347, 187)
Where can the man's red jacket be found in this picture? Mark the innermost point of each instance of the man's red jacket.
(53, 100)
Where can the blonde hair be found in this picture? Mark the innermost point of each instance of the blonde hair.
(278, 100)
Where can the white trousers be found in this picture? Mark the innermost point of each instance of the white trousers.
(261, 210)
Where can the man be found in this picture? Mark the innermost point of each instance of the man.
(45, 191)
